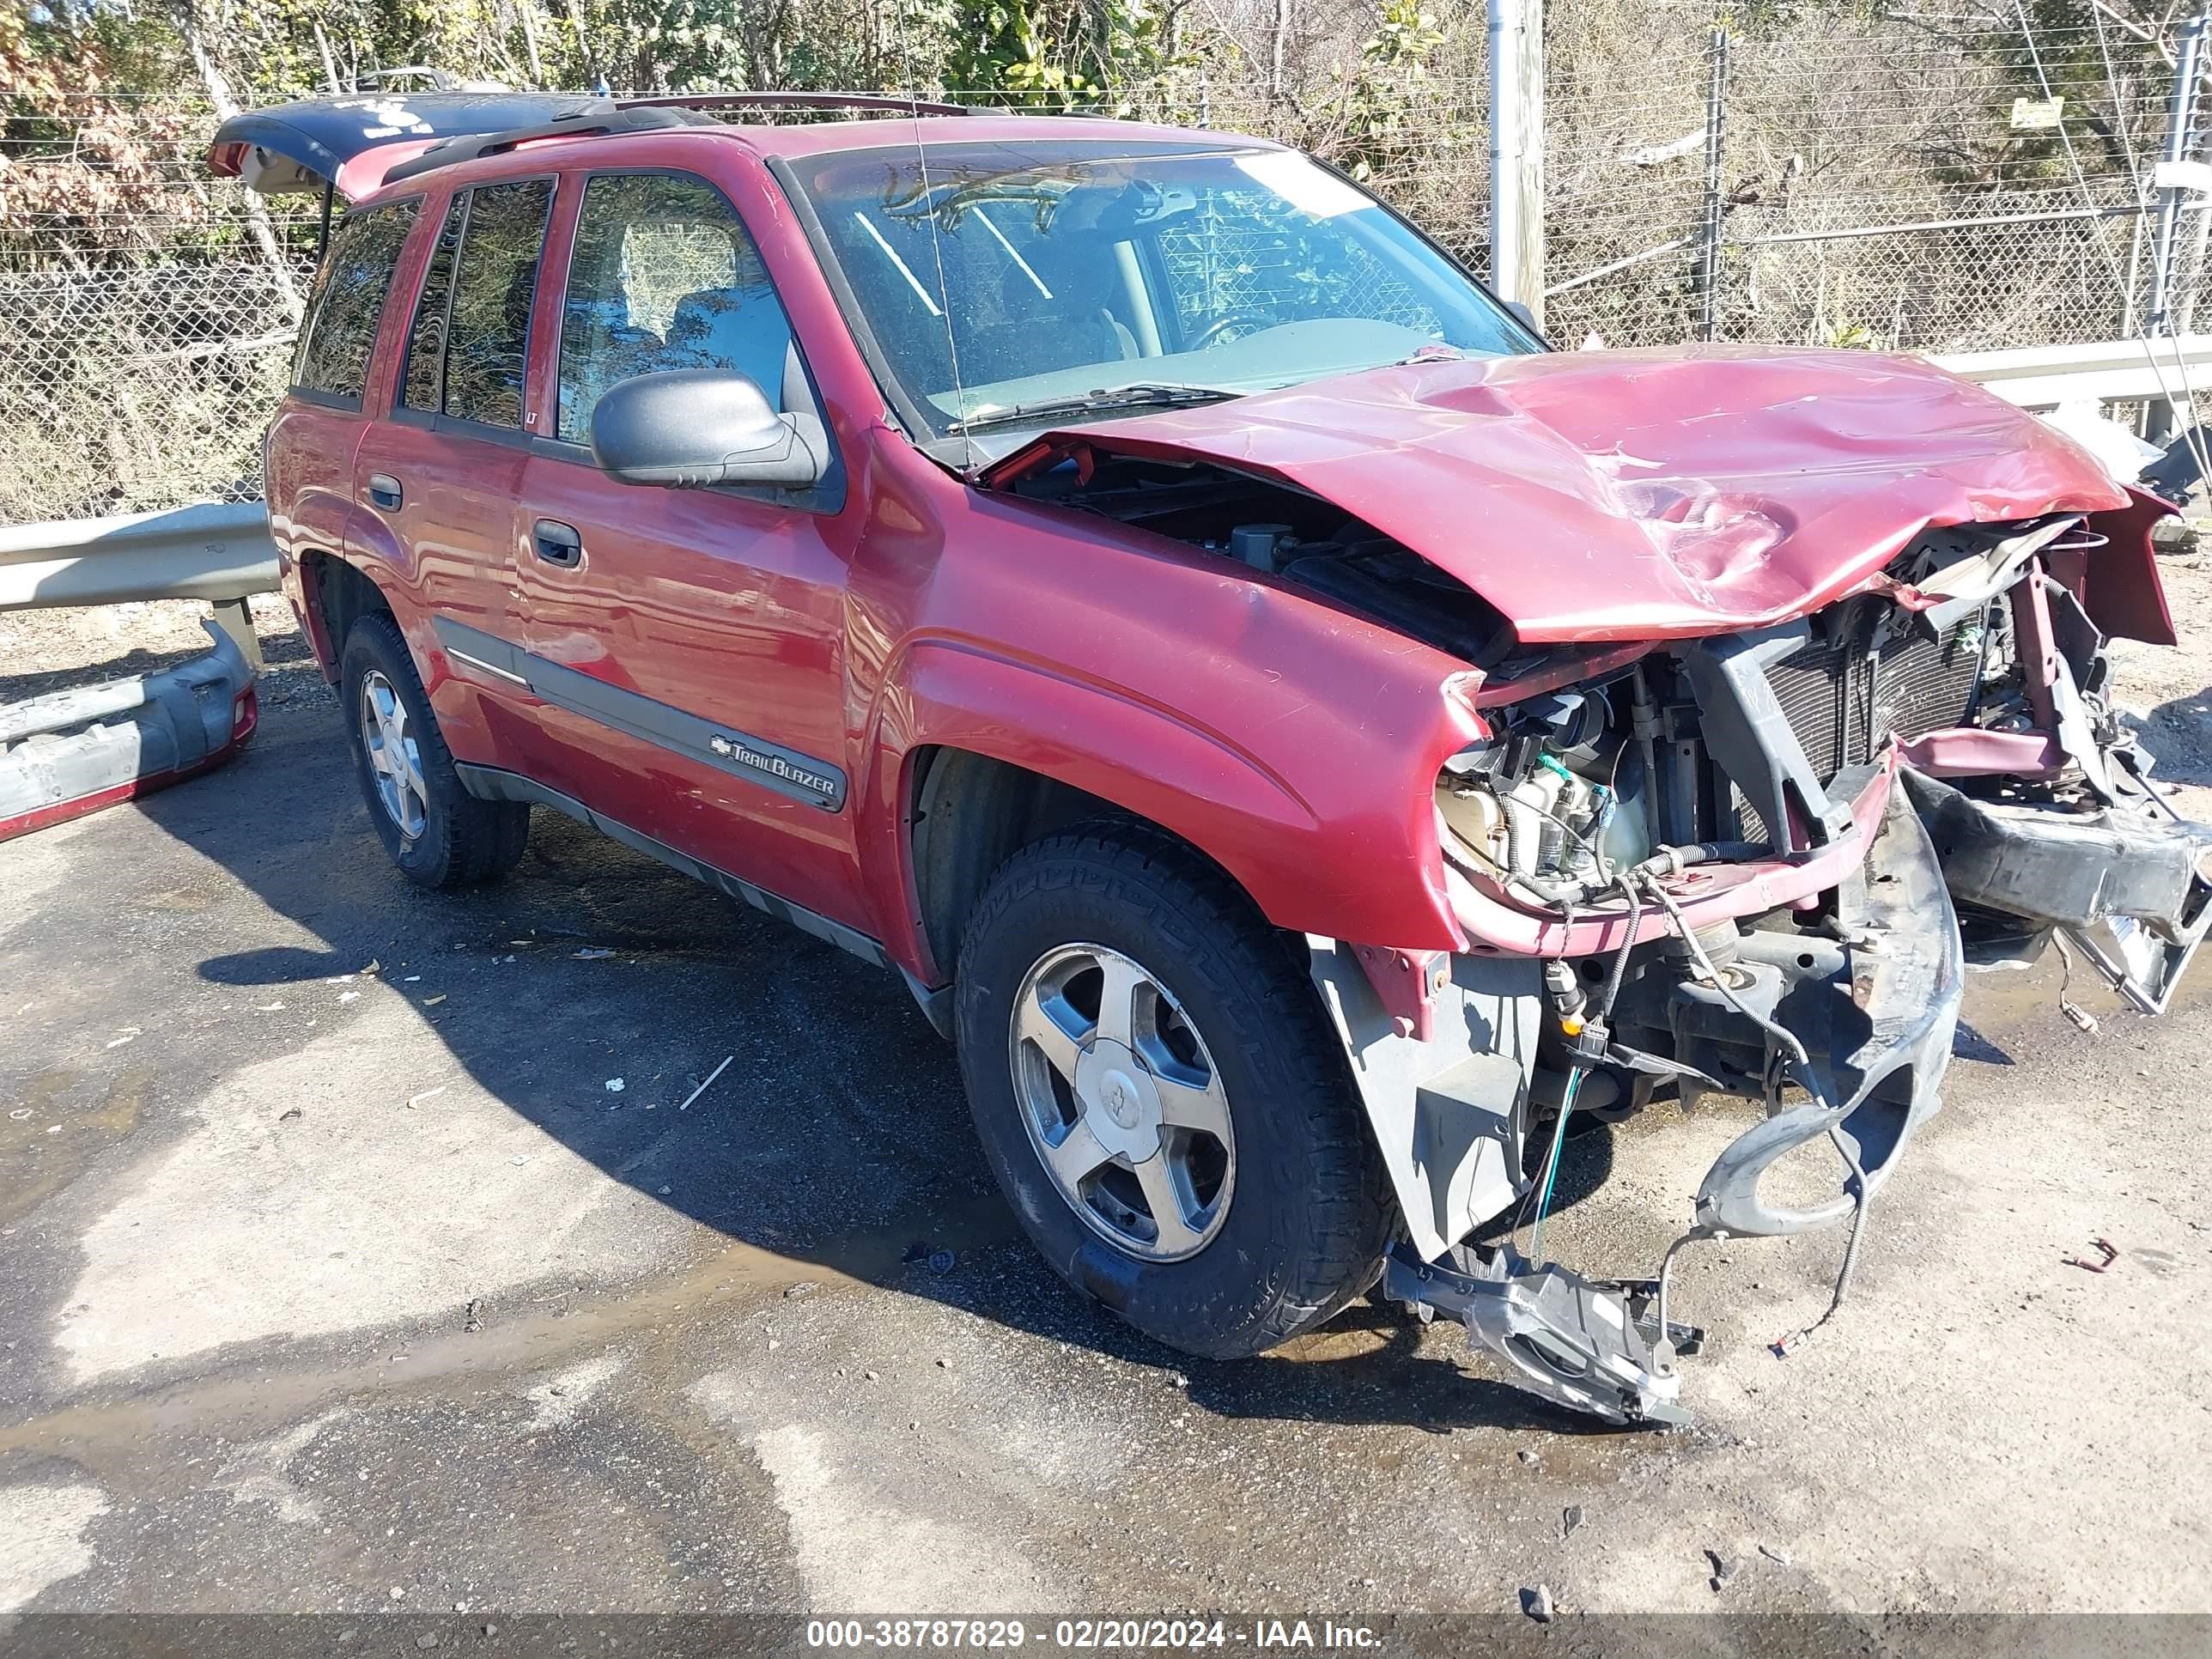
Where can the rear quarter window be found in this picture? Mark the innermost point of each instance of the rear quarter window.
(347, 301)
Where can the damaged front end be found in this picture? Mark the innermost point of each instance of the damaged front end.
(1792, 715)
(1760, 865)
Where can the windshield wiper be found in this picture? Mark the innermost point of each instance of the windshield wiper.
(1141, 395)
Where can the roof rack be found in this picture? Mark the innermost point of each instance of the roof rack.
(890, 103)
(595, 119)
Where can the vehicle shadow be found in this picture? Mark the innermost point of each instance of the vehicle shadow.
(838, 1136)
(283, 651)
(2178, 736)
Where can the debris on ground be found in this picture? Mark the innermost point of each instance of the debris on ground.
(1537, 1603)
(704, 1086)
(287, 1117)
(1775, 1553)
(793, 1292)
(616, 1086)
(942, 1262)
(432, 1002)
(1569, 1518)
(413, 1101)
(2106, 1249)
(590, 953)
(130, 1033)
(472, 1317)
(1530, 1457)
(1724, 1568)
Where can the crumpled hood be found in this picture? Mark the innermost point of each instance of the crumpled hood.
(1637, 494)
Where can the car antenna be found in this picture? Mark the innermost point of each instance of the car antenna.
(936, 244)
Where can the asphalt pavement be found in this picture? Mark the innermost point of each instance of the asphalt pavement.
(337, 1274)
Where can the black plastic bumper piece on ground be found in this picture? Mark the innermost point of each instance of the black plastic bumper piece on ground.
(1590, 1345)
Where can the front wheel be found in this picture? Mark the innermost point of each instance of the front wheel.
(1160, 1097)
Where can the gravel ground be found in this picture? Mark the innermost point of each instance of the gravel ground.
(333, 1278)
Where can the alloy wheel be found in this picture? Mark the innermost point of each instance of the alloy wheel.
(1122, 1102)
(393, 758)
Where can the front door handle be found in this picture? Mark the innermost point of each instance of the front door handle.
(384, 491)
(557, 542)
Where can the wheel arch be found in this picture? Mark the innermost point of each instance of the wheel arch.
(336, 592)
(1044, 742)
(969, 812)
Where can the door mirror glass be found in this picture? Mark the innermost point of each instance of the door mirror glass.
(689, 427)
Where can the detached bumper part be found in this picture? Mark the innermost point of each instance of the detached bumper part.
(73, 752)
(1590, 1345)
(2146, 883)
(1876, 1016)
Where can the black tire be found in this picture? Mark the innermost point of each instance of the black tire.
(1310, 1213)
(462, 839)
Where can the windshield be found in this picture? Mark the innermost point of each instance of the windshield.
(1024, 285)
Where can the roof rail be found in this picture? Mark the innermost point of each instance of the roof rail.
(595, 119)
(890, 103)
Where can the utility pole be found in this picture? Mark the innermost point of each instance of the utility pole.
(2180, 138)
(1709, 235)
(1517, 153)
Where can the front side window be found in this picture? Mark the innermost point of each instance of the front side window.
(466, 356)
(665, 276)
(996, 277)
(340, 328)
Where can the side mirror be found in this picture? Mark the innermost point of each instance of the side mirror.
(1527, 316)
(688, 427)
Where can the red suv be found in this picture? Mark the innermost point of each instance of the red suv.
(1308, 744)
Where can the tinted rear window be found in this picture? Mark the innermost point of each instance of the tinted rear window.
(426, 348)
(465, 357)
(340, 329)
(495, 286)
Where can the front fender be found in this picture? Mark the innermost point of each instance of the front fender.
(1324, 840)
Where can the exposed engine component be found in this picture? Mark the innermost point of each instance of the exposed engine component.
(1554, 802)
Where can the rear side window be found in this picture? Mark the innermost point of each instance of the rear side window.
(473, 326)
(340, 328)
(665, 276)
(426, 345)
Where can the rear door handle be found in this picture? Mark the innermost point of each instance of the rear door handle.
(384, 491)
(557, 542)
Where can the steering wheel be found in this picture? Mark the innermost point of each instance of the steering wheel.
(1207, 335)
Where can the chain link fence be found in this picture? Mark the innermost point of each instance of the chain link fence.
(1926, 183)
(1932, 184)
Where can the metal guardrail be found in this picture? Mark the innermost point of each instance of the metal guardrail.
(2106, 371)
(220, 551)
(70, 752)
(215, 551)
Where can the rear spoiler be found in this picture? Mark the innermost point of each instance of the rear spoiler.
(352, 145)
(347, 144)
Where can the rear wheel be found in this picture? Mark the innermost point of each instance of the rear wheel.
(434, 829)
(1158, 1094)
